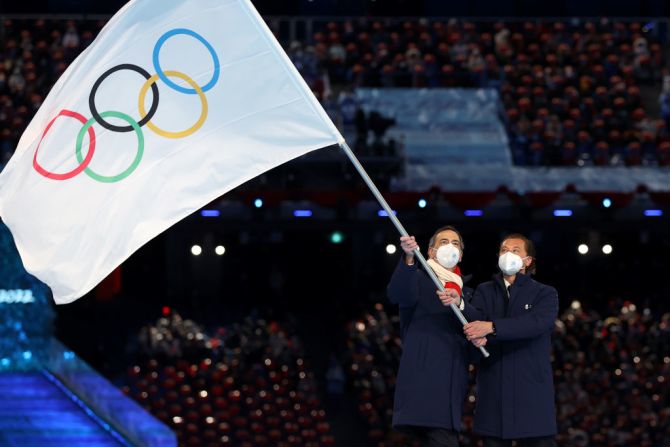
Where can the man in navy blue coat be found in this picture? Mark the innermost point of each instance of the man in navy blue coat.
(433, 372)
(514, 316)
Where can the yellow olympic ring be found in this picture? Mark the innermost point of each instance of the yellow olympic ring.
(165, 133)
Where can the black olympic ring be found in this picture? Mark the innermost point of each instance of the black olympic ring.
(94, 111)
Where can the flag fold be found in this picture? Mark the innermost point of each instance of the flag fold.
(173, 104)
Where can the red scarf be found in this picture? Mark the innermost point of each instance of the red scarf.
(453, 285)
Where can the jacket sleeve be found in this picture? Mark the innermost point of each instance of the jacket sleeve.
(532, 324)
(403, 289)
(474, 309)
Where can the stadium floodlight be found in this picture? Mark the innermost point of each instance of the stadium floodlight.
(196, 250)
(583, 249)
(220, 250)
(336, 237)
(607, 249)
(390, 249)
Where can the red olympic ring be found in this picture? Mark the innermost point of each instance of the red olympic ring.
(83, 165)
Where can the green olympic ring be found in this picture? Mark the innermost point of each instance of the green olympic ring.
(138, 156)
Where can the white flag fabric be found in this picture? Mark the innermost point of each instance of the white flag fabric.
(174, 103)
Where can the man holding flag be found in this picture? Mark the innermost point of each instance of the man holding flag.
(174, 104)
(433, 373)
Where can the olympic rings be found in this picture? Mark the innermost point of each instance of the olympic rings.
(94, 90)
(203, 101)
(138, 157)
(82, 163)
(164, 78)
(145, 117)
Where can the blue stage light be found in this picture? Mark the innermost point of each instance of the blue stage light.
(383, 213)
(474, 213)
(210, 213)
(422, 203)
(258, 203)
(27, 355)
(653, 213)
(302, 213)
(562, 213)
(607, 202)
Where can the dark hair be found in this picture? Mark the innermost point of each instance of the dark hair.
(445, 228)
(530, 249)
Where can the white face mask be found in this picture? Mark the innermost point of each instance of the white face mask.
(510, 263)
(448, 256)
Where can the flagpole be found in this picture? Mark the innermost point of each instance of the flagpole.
(417, 253)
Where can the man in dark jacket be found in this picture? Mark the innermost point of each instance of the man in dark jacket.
(516, 315)
(432, 377)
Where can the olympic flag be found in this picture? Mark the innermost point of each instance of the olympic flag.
(174, 104)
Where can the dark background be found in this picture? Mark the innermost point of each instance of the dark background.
(291, 265)
(478, 8)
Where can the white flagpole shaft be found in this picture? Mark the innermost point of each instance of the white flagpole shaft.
(417, 254)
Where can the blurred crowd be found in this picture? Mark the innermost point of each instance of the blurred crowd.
(246, 384)
(33, 55)
(611, 377)
(570, 89)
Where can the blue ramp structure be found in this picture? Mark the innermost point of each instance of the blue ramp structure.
(48, 396)
(36, 412)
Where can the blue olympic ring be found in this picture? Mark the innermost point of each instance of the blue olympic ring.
(170, 83)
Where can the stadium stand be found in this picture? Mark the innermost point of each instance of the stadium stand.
(243, 385)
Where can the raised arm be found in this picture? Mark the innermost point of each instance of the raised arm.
(403, 289)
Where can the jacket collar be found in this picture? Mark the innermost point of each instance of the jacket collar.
(520, 281)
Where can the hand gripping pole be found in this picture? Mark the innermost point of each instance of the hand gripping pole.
(347, 150)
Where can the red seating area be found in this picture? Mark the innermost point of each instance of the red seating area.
(254, 387)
